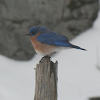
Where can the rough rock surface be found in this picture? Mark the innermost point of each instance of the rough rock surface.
(68, 17)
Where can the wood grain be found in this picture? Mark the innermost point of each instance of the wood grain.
(46, 80)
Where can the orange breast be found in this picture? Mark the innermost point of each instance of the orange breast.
(42, 48)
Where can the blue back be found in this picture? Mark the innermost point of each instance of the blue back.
(53, 38)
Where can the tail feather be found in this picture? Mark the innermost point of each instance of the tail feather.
(77, 47)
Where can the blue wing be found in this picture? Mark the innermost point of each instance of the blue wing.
(53, 38)
(56, 39)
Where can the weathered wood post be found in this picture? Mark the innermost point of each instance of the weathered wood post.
(46, 80)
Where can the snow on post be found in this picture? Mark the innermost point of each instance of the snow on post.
(46, 80)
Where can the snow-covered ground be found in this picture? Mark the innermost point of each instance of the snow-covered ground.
(78, 71)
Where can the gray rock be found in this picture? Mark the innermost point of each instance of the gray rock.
(94, 98)
(68, 17)
(15, 10)
(77, 20)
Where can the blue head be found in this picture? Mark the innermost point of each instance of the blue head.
(35, 30)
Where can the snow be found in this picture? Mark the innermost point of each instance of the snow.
(78, 71)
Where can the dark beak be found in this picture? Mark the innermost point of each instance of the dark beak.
(28, 34)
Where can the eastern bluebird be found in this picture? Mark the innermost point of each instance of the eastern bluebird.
(47, 42)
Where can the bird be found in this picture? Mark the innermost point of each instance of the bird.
(47, 42)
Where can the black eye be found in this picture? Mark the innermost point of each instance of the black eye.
(32, 32)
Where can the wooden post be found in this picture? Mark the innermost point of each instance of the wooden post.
(46, 80)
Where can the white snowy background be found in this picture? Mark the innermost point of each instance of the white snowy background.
(78, 71)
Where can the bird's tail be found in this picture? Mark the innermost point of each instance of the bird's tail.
(76, 47)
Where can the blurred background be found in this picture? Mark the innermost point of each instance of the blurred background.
(78, 71)
(68, 17)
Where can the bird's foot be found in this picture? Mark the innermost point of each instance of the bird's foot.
(47, 57)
